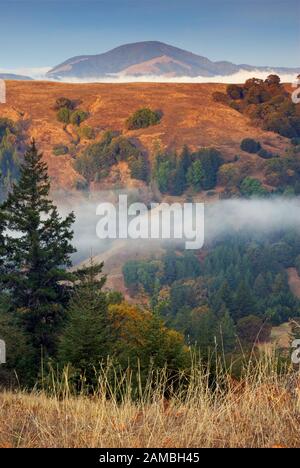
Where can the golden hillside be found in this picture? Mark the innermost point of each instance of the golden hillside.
(190, 116)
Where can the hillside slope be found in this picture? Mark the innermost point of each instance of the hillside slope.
(190, 116)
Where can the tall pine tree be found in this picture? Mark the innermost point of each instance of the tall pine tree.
(37, 252)
(85, 341)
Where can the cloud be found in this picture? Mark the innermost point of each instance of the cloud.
(252, 216)
(38, 73)
(222, 218)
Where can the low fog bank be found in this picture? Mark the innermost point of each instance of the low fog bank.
(252, 216)
(240, 77)
(222, 218)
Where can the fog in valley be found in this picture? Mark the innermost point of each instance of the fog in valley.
(222, 218)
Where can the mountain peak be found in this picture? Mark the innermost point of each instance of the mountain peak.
(144, 59)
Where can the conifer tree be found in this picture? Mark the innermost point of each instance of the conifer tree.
(226, 334)
(182, 163)
(19, 366)
(244, 303)
(223, 297)
(185, 158)
(195, 175)
(84, 342)
(37, 251)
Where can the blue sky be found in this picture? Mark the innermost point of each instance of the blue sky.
(40, 33)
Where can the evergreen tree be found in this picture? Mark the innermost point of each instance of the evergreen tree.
(37, 250)
(210, 162)
(85, 341)
(19, 366)
(169, 267)
(182, 164)
(223, 297)
(280, 283)
(203, 328)
(261, 287)
(185, 158)
(226, 335)
(195, 175)
(244, 303)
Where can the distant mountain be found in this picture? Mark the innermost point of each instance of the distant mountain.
(149, 58)
(11, 76)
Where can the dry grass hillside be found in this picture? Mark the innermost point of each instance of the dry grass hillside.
(190, 116)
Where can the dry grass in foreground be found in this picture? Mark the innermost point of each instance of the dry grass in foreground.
(262, 410)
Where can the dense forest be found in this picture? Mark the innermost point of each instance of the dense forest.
(238, 287)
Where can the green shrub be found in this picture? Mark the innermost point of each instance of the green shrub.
(266, 154)
(64, 102)
(98, 158)
(63, 115)
(86, 132)
(235, 105)
(81, 185)
(252, 329)
(59, 150)
(78, 116)
(250, 146)
(281, 124)
(235, 91)
(139, 168)
(252, 188)
(143, 118)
